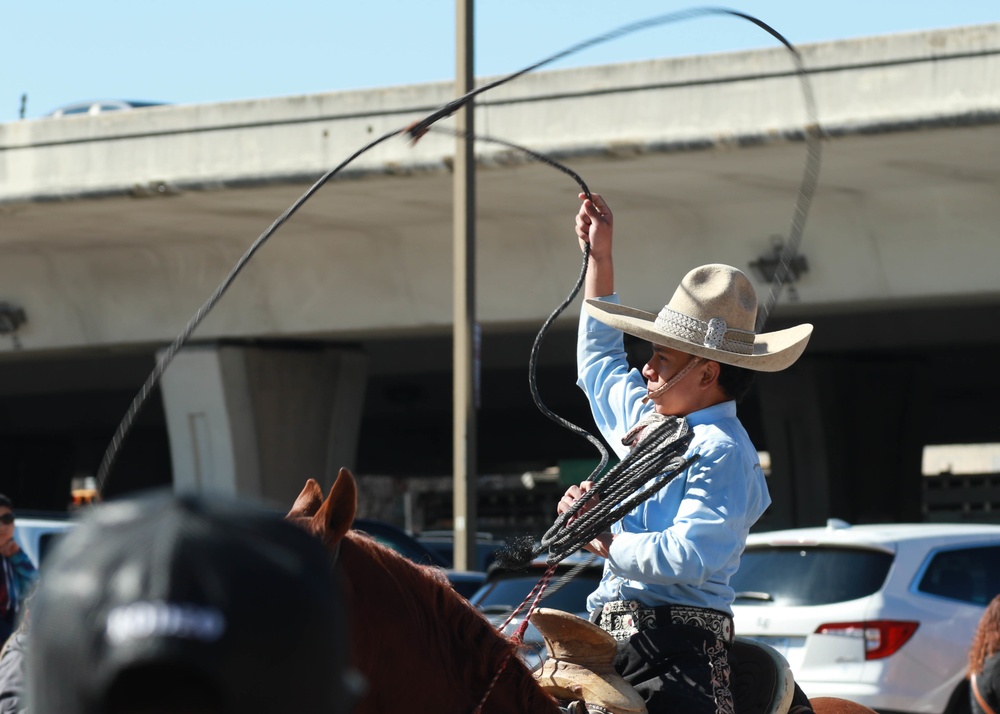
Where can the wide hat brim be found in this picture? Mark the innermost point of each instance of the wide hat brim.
(772, 351)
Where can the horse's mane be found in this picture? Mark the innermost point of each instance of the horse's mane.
(447, 621)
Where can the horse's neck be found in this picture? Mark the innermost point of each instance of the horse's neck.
(423, 649)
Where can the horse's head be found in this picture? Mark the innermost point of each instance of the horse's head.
(329, 519)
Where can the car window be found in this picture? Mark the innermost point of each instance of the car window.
(46, 542)
(81, 109)
(967, 574)
(486, 553)
(808, 575)
(466, 584)
(504, 594)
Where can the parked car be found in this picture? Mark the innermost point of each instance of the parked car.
(465, 583)
(100, 106)
(400, 541)
(504, 590)
(443, 543)
(38, 533)
(882, 615)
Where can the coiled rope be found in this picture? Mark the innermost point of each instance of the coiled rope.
(647, 468)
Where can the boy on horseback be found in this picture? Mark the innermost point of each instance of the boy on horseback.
(665, 593)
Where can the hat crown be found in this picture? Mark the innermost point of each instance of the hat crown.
(712, 315)
(717, 291)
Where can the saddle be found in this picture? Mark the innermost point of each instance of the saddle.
(580, 667)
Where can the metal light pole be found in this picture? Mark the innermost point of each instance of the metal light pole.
(464, 257)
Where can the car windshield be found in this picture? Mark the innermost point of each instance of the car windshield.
(505, 593)
(808, 575)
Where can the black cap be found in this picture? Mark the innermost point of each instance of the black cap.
(224, 598)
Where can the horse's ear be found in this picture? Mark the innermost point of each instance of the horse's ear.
(308, 502)
(336, 515)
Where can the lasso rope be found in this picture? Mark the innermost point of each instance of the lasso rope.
(416, 130)
(658, 453)
(803, 200)
(648, 467)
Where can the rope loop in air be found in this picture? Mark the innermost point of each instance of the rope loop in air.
(417, 129)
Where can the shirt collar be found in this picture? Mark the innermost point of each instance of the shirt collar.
(714, 413)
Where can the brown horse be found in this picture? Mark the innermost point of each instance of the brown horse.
(421, 647)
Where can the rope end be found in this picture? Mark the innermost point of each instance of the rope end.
(416, 130)
(518, 636)
(516, 553)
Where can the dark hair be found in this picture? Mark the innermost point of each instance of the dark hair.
(735, 381)
(4, 501)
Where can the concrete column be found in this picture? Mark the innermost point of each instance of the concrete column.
(793, 425)
(259, 421)
(845, 441)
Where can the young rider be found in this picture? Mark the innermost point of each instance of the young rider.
(665, 592)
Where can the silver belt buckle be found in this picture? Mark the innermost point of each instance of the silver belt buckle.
(624, 618)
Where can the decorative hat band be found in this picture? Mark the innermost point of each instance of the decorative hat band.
(714, 334)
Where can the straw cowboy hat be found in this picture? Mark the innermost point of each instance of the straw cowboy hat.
(711, 315)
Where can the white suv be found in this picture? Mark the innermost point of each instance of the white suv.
(882, 615)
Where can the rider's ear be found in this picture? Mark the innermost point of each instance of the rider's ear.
(709, 373)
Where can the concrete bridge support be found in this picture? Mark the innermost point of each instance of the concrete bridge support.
(259, 420)
(845, 440)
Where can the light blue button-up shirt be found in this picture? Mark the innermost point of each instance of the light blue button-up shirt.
(682, 545)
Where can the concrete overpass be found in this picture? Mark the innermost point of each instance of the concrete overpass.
(333, 346)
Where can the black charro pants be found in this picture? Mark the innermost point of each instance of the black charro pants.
(677, 668)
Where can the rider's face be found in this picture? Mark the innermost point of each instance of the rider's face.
(682, 398)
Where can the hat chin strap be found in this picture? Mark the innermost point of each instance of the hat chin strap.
(695, 361)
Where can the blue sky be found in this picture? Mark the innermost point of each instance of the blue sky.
(192, 51)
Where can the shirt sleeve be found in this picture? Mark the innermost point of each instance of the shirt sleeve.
(702, 538)
(615, 391)
(24, 572)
